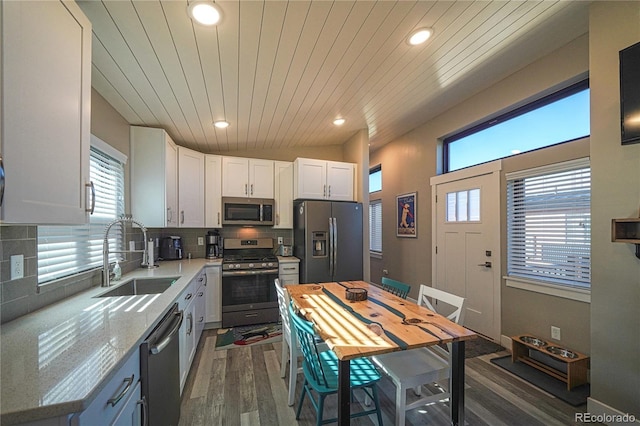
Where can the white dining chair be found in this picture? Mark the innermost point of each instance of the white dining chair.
(413, 368)
(290, 351)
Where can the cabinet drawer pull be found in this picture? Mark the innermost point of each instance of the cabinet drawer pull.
(251, 315)
(251, 189)
(188, 296)
(218, 218)
(190, 329)
(246, 191)
(145, 411)
(129, 381)
(182, 216)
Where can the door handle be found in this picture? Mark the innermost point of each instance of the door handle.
(485, 264)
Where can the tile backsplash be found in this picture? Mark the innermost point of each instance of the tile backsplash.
(21, 296)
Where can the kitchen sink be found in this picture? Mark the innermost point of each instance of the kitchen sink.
(141, 286)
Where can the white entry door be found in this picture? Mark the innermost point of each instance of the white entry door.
(467, 243)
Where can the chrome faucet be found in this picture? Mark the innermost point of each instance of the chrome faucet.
(106, 276)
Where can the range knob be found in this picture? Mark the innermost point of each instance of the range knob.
(229, 266)
(270, 264)
(264, 264)
(237, 265)
(251, 265)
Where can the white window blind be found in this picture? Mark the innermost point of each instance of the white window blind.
(375, 226)
(66, 250)
(549, 224)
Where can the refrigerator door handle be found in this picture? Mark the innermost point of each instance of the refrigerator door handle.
(335, 246)
(331, 247)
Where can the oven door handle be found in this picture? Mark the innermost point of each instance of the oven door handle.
(249, 272)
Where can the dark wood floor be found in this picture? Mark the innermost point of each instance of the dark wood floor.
(243, 387)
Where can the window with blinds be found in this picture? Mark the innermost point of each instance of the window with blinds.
(67, 250)
(375, 226)
(549, 224)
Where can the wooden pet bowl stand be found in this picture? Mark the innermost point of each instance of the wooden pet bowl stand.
(577, 366)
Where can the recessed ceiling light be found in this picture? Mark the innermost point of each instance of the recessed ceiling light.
(419, 36)
(339, 121)
(205, 12)
(221, 124)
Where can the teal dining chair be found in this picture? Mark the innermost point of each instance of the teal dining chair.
(321, 373)
(395, 287)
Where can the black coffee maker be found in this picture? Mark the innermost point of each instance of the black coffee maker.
(214, 244)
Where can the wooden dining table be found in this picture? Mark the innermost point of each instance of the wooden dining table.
(380, 324)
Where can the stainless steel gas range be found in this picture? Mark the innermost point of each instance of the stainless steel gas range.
(249, 268)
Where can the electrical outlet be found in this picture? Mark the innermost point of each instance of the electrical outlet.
(555, 333)
(280, 240)
(200, 241)
(17, 266)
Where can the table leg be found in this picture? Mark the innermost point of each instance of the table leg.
(457, 383)
(344, 392)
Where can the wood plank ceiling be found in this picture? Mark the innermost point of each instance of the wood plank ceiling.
(280, 71)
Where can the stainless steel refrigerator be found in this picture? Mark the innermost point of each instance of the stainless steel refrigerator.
(328, 240)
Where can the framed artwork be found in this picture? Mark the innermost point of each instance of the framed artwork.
(406, 215)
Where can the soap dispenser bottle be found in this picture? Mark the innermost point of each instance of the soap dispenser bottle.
(117, 272)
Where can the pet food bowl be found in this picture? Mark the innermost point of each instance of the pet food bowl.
(562, 352)
(533, 341)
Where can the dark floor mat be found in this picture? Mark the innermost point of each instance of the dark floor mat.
(480, 346)
(576, 397)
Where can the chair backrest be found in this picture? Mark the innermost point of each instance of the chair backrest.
(434, 294)
(283, 306)
(306, 336)
(398, 288)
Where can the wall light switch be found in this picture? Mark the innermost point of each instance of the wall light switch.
(280, 240)
(17, 266)
(200, 241)
(555, 333)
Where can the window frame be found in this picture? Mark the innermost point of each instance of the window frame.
(532, 106)
(373, 170)
(372, 251)
(555, 287)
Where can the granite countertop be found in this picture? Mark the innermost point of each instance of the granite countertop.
(55, 361)
(288, 259)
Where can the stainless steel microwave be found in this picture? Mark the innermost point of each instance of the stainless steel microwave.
(247, 211)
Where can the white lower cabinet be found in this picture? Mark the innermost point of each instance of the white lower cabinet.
(118, 399)
(214, 294)
(192, 303)
(200, 307)
(289, 271)
(186, 333)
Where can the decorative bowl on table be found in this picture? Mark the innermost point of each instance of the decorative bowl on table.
(356, 294)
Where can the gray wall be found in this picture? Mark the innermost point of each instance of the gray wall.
(615, 288)
(411, 160)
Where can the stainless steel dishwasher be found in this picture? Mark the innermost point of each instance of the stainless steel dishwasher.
(160, 370)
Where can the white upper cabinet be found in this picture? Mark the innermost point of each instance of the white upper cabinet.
(283, 179)
(247, 177)
(213, 191)
(46, 112)
(190, 188)
(323, 180)
(154, 177)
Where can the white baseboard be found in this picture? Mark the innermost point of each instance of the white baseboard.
(610, 415)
